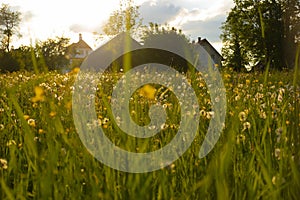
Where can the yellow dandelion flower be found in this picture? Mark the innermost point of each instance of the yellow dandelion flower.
(76, 70)
(39, 95)
(227, 76)
(105, 126)
(26, 117)
(41, 131)
(201, 84)
(247, 82)
(52, 114)
(148, 91)
(68, 105)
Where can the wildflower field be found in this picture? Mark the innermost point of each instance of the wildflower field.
(256, 157)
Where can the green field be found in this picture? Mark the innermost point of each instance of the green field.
(256, 157)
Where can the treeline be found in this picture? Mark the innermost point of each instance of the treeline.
(43, 56)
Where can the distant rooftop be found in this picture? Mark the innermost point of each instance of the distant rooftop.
(80, 44)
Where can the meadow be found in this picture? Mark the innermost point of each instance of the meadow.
(256, 157)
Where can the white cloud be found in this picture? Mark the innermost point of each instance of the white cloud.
(157, 12)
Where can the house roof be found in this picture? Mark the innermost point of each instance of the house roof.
(111, 50)
(80, 44)
(204, 42)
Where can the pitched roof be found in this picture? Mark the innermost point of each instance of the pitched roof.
(111, 50)
(80, 44)
(204, 43)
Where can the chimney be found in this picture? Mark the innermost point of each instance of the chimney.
(80, 36)
(199, 40)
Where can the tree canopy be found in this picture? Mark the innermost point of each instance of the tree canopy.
(262, 32)
(9, 24)
(126, 19)
(53, 52)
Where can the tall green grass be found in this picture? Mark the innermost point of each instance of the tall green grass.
(46, 159)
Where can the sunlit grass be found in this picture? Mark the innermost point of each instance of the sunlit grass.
(257, 156)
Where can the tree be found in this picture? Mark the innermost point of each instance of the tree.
(53, 52)
(23, 55)
(126, 19)
(255, 32)
(233, 51)
(171, 38)
(9, 24)
(155, 30)
(291, 21)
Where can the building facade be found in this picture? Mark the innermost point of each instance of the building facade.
(78, 51)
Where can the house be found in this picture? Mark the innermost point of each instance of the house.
(77, 52)
(110, 55)
(214, 54)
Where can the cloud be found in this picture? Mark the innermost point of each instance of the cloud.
(14, 8)
(209, 29)
(201, 13)
(158, 12)
(201, 18)
(80, 28)
(27, 16)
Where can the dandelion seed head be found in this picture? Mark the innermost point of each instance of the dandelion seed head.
(31, 122)
(242, 116)
(246, 125)
(277, 153)
(3, 163)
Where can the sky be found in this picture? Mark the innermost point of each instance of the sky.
(50, 18)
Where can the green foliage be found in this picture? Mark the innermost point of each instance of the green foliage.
(261, 32)
(126, 19)
(291, 20)
(46, 55)
(158, 34)
(53, 53)
(17, 59)
(7, 62)
(232, 51)
(9, 23)
(155, 31)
